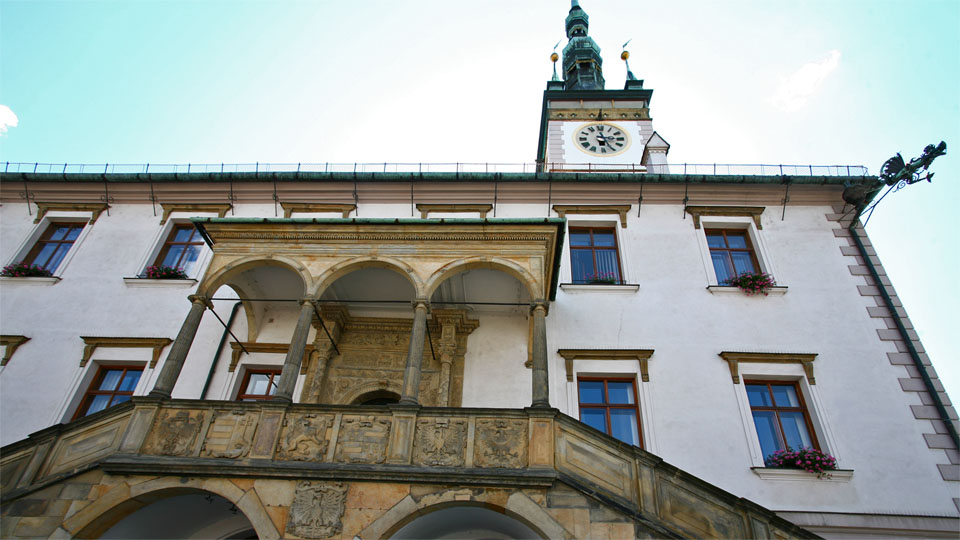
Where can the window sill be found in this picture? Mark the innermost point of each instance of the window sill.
(798, 475)
(598, 287)
(726, 289)
(147, 282)
(31, 280)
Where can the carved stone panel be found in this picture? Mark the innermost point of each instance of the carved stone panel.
(304, 437)
(230, 434)
(317, 509)
(501, 443)
(440, 442)
(363, 439)
(174, 433)
(701, 516)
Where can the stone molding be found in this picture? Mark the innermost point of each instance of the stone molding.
(10, 344)
(728, 211)
(426, 209)
(619, 209)
(91, 344)
(800, 475)
(642, 356)
(270, 348)
(734, 359)
(776, 290)
(218, 208)
(290, 208)
(95, 209)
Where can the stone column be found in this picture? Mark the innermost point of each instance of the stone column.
(448, 347)
(541, 382)
(411, 375)
(291, 366)
(334, 317)
(180, 347)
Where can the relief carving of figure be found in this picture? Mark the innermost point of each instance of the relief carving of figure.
(501, 443)
(230, 435)
(304, 437)
(317, 509)
(175, 434)
(363, 439)
(440, 442)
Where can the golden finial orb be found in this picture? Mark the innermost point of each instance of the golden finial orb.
(554, 57)
(624, 55)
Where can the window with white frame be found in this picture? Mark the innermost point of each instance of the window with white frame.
(178, 245)
(730, 245)
(51, 245)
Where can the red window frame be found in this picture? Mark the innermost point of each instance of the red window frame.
(194, 240)
(46, 239)
(274, 378)
(592, 247)
(777, 409)
(94, 389)
(606, 406)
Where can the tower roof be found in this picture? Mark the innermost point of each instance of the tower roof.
(582, 64)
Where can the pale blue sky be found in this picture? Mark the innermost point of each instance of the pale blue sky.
(444, 81)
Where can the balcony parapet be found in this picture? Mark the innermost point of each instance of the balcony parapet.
(512, 448)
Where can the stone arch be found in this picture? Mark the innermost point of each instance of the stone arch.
(531, 515)
(392, 386)
(125, 499)
(491, 263)
(221, 276)
(343, 268)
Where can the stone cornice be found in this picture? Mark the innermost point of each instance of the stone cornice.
(736, 358)
(169, 208)
(95, 209)
(619, 209)
(270, 348)
(10, 344)
(640, 355)
(426, 209)
(91, 344)
(289, 208)
(736, 211)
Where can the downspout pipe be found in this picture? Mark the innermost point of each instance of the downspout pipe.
(216, 355)
(911, 349)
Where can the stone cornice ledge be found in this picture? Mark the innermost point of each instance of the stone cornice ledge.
(799, 475)
(147, 282)
(31, 280)
(778, 290)
(584, 288)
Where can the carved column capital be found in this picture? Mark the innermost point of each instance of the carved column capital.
(539, 305)
(200, 299)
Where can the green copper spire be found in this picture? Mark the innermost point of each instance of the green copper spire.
(582, 64)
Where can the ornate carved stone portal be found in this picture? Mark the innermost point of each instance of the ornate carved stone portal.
(372, 357)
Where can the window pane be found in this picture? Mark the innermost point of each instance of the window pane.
(183, 234)
(623, 425)
(129, 381)
(736, 241)
(74, 233)
(620, 392)
(742, 262)
(273, 385)
(190, 258)
(582, 264)
(785, 396)
(579, 238)
(766, 423)
(110, 379)
(721, 264)
(795, 430)
(716, 241)
(173, 256)
(595, 418)
(603, 238)
(759, 395)
(60, 232)
(99, 403)
(607, 263)
(591, 392)
(45, 252)
(258, 383)
(57, 257)
(119, 399)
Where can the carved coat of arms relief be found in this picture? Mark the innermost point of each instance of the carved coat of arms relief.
(501, 443)
(317, 509)
(440, 442)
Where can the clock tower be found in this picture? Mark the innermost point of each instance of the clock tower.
(586, 128)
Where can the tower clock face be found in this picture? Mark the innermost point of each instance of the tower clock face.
(601, 139)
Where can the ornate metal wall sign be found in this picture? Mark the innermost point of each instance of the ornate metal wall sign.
(317, 509)
(230, 435)
(501, 443)
(175, 433)
(440, 442)
(363, 439)
(304, 437)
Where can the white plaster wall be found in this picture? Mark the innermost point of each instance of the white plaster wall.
(690, 403)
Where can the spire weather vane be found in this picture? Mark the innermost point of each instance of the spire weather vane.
(894, 173)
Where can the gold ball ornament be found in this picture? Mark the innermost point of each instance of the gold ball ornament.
(554, 57)
(624, 55)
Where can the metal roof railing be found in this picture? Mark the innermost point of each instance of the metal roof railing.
(257, 167)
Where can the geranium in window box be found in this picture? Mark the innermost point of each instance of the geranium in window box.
(601, 278)
(752, 282)
(808, 459)
(164, 272)
(22, 269)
